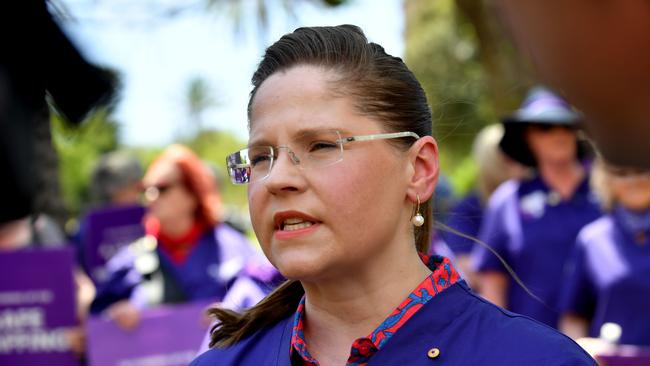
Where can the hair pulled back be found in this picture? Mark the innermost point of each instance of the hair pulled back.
(382, 87)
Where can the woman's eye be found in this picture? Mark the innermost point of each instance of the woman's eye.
(259, 159)
(322, 145)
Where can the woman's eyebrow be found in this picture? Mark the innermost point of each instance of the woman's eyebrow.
(258, 142)
(306, 133)
(300, 135)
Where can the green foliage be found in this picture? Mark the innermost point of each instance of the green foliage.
(469, 70)
(78, 149)
(462, 178)
(441, 51)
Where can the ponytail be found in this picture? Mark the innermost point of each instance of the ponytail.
(232, 327)
(423, 233)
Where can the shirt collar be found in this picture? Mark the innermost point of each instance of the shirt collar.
(635, 225)
(538, 183)
(443, 276)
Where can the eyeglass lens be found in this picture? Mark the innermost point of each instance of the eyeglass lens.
(314, 149)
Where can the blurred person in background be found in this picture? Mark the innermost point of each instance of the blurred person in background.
(608, 280)
(466, 216)
(443, 198)
(34, 230)
(441, 201)
(187, 254)
(532, 224)
(116, 180)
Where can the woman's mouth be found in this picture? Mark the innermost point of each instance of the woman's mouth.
(293, 224)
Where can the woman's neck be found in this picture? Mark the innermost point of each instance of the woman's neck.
(564, 177)
(177, 227)
(343, 310)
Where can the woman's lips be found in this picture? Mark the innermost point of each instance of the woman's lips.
(281, 234)
(291, 224)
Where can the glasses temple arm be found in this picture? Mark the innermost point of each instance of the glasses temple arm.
(380, 136)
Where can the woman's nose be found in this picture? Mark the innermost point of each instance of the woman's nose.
(285, 174)
(294, 158)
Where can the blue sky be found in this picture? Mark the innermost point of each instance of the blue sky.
(157, 58)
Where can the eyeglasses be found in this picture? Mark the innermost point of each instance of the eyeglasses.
(313, 149)
(547, 127)
(152, 192)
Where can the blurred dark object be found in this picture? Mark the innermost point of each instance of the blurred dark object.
(597, 54)
(37, 60)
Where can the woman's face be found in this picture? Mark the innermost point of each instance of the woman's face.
(552, 143)
(166, 195)
(631, 189)
(328, 221)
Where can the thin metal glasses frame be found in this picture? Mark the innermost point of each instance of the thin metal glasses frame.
(296, 161)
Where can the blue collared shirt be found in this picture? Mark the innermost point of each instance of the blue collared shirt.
(456, 327)
(609, 279)
(535, 233)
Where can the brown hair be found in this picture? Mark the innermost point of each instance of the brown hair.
(382, 87)
(198, 179)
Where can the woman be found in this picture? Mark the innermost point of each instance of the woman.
(187, 254)
(532, 224)
(609, 281)
(340, 167)
(116, 183)
(492, 169)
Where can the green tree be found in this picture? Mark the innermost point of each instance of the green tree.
(469, 70)
(78, 149)
(200, 98)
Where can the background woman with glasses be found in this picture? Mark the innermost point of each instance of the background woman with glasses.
(609, 277)
(341, 167)
(532, 223)
(187, 254)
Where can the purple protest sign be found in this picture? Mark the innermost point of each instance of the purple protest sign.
(107, 230)
(37, 307)
(625, 355)
(169, 335)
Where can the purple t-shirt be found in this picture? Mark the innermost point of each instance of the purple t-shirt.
(609, 279)
(466, 217)
(223, 261)
(535, 232)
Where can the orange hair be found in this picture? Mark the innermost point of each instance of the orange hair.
(198, 179)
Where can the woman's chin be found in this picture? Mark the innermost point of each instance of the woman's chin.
(301, 268)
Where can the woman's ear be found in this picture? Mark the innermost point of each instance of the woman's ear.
(424, 159)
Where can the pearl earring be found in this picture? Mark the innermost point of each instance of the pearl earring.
(417, 219)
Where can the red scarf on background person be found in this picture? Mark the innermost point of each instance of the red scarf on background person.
(176, 247)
